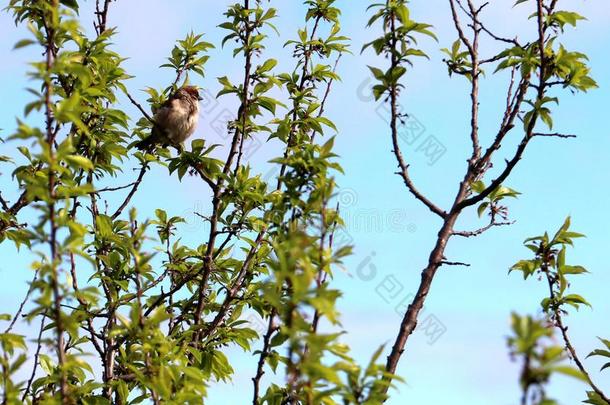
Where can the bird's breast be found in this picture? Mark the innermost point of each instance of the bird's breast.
(181, 121)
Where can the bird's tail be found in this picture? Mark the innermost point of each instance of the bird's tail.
(145, 144)
(149, 142)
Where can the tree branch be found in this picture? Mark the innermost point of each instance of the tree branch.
(475, 170)
(132, 192)
(55, 257)
(36, 359)
(404, 173)
(216, 199)
(237, 285)
(4, 203)
(458, 27)
(554, 135)
(139, 107)
(271, 329)
(448, 263)
(101, 13)
(23, 302)
(558, 318)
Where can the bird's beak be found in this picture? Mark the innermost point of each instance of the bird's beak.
(199, 98)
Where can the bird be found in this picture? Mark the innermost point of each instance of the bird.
(175, 121)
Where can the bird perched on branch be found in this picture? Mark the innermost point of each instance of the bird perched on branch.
(175, 121)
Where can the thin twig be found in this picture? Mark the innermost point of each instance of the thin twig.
(529, 132)
(207, 179)
(326, 94)
(106, 189)
(36, 358)
(448, 263)
(102, 16)
(90, 328)
(557, 316)
(475, 75)
(134, 188)
(404, 168)
(139, 107)
(264, 353)
(237, 285)
(4, 203)
(555, 135)
(23, 302)
(492, 224)
(472, 13)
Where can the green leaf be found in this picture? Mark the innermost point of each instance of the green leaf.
(378, 73)
(80, 162)
(595, 399)
(478, 187)
(268, 65)
(73, 4)
(23, 43)
(570, 372)
(481, 208)
(575, 300)
(104, 225)
(403, 13)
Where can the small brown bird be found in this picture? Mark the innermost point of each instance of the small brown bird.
(175, 120)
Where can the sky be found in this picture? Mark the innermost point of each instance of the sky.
(460, 357)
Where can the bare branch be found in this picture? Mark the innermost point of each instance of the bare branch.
(555, 135)
(473, 13)
(106, 189)
(134, 188)
(139, 107)
(529, 132)
(23, 302)
(4, 203)
(205, 178)
(36, 359)
(264, 353)
(458, 26)
(469, 234)
(447, 263)
(404, 173)
(101, 13)
(474, 93)
(404, 167)
(326, 94)
(475, 170)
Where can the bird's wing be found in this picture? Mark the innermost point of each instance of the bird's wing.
(162, 114)
(161, 118)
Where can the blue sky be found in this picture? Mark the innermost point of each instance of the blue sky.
(391, 231)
